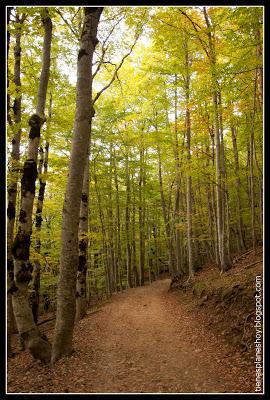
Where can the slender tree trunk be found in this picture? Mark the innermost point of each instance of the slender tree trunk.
(212, 243)
(83, 246)
(119, 249)
(149, 256)
(111, 227)
(176, 218)
(218, 154)
(9, 9)
(13, 172)
(176, 221)
(189, 180)
(251, 166)
(34, 296)
(238, 185)
(39, 347)
(155, 251)
(42, 173)
(66, 303)
(225, 194)
(259, 67)
(127, 223)
(141, 218)
(165, 218)
(105, 253)
(134, 259)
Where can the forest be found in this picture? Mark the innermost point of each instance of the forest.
(134, 168)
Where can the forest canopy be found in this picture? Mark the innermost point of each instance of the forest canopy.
(166, 105)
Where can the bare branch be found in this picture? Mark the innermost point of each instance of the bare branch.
(67, 23)
(75, 14)
(104, 49)
(188, 17)
(116, 70)
(195, 26)
(111, 31)
(100, 62)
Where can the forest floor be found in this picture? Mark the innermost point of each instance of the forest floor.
(153, 340)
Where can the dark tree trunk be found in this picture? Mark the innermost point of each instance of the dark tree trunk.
(13, 171)
(38, 346)
(42, 172)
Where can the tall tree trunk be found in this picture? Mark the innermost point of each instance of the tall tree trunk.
(176, 218)
(15, 158)
(165, 217)
(104, 252)
(9, 9)
(189, 181)
(66, 303)
(134, 259)
(149, 255)
(118, 236)
(28, 330)
(212, 243)
(218, 155)
(238, 185)
(225, 194)
(127, 225)
(111, 227)
(259, 67)
(251, 166)
(83, 245)
(42, 173)
(214, 209)
(141, 218)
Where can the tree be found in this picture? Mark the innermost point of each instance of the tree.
(13, 171)
(42, 173)
(66, 304)
(38, 346)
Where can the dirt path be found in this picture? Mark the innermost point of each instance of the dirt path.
(142, 340)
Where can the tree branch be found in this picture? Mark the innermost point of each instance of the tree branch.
(195, 25)
(67, 23)
(75, 14)
(116, 70)
(104, 49)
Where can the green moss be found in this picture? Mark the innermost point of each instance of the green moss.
(199, 289)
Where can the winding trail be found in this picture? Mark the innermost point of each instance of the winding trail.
(143, 340)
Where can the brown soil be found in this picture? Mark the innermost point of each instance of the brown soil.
(144, 340)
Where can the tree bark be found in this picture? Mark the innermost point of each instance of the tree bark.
(224, 190)
(165, 218)
(223, 265)
(83, 246)
(133, 247)
(66, 303)
(118, 236)
(9, 9)
(176, 217)
(141, 217)
(38, 346)
(42, 173)
(238, 185)
(189, 180)
(251, 166)
(111, 248)
(13, 171)
(127, 225)
(104, 237)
